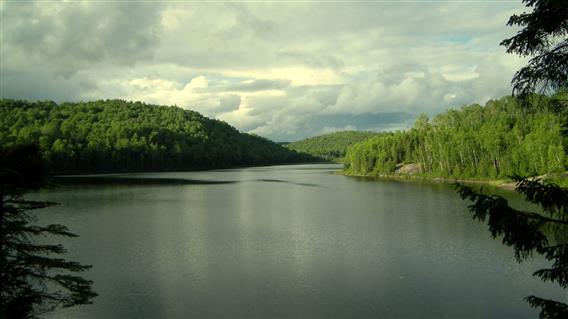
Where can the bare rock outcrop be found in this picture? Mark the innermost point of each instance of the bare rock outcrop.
(408, 169)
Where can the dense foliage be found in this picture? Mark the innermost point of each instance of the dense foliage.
(34, 277)
(498, 140)
(332, 146)
(114, 135)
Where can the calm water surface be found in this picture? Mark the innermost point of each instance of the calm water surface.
(286, 241)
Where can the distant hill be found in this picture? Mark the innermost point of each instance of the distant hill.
(115, 135)
(332, 146)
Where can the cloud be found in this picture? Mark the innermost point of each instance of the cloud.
(325, 60)
(333, 129)
(165, 92)
(256, 85)
(282, 70)
(228, 103)
(71, 36)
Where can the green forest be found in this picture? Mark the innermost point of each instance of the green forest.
(115, 135)
(498, 140)
(331, 147)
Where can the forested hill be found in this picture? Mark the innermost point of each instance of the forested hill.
(330, 146)
(115, 135)
(494, 141)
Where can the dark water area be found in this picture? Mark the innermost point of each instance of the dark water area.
(286, 241)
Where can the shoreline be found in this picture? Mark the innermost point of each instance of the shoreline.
(500, 183)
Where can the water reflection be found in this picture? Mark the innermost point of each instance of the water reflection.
(284, 181)
(126, 180)
(267, 246)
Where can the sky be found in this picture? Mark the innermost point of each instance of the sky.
(285, 70)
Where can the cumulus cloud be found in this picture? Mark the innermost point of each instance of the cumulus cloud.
(192, 94)
(282, 70)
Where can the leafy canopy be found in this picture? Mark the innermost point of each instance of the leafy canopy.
(115, 135)
(497, 140)
(331, 147)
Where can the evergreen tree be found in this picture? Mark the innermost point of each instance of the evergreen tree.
(32, 280)
(529, 232)
(545, 37)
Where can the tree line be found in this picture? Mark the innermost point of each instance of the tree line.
(116, 135)
(331, 147)
(503, 138)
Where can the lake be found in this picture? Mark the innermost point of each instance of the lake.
(286, 241)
